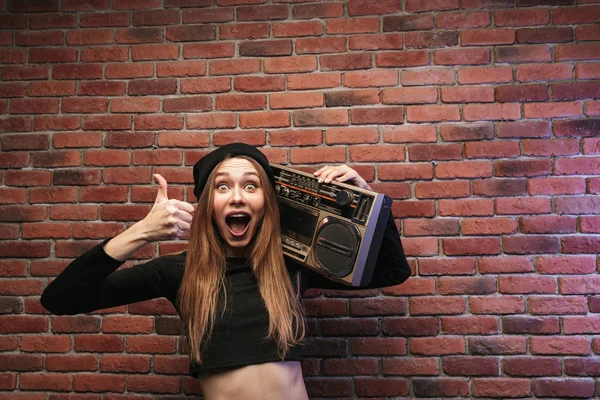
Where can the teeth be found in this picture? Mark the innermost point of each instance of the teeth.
(238, 215)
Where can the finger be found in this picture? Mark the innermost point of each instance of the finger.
(338, 171)
(162, 190)
(183, 226)
(325, 171)
(346, 177)
(319, 171)
(183, 206)
(185, 216)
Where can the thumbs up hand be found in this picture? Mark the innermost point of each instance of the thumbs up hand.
(169, 218)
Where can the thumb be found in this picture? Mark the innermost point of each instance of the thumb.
(162, 190)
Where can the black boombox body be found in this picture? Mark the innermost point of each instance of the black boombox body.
(334, 229)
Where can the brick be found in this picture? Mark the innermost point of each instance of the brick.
(579, 284)
(548, 224)
(309, 11)
(440, 387)
(578, 128)
(500, 387)
(526, 284)
(523, 205)
(297, 29)
(390, 41)
(411, 95)
(582, 366)
(476, 75)
(361, 79)
(470, 246)
(409, 58)
(377, 115)
(556, 186)
(207, 15)
(321, 45)
(471, 366)
(89, 36)
(552, 110)
(442, 345)
(45, 21)
(139, 35)
(293, 64)
(427, 76)
(585, 51)
(108, 19)
(352, 26)
(407, 23)
(488, 226)
(296, 100)
(569, 387)
(431, 39)
(208, 50)
(491, 149)
(576, 15)
(530, 325)
(442, 189)
(475, 94)
(560, 345)
(482, 37)
(571, 166)
(580, 244)
(532, 366)
(523, 129)
(381, 386)
(45, 38)
(17, 56)
(550, 147)
(521, 17)
(428, 228)
(461, 56)
(361, 7)
(317, 154)
(432, 113)
(435, 152)
(516, 168)
(546, 305)
(575, 91)
(466, 285)
(543, 72)
(351, 135)
(189, 103)
(34, 106)
(497, 111)
(445, 265)
(496, 305)
(497, 345)
(351, 366)
(54, 88)
(522, 92)
(265, 119)
(89, 71)
(351, 97)
(589, 224)
(234, 67)
(413, 209)
(464, 169)
(265, 48)
(409, 133)
(85, 106)
(587, 32)
(405, 172)
(27, 73)
(462, 20)
(345, 62)
(530, 244)
(544, 35)
(410, 366)
(421, 246)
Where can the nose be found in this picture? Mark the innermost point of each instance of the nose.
(237, 195)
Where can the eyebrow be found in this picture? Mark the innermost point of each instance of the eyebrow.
(245, 174)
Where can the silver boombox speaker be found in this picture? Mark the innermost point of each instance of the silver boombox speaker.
(334, 229)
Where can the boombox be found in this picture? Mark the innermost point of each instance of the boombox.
(334, 229)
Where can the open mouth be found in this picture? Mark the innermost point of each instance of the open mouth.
(237, 223)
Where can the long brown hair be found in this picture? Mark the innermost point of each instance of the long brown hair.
(202, 294)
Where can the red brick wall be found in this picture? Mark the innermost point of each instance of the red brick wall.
(481, 118)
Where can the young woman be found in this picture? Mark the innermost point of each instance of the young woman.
(238, 297)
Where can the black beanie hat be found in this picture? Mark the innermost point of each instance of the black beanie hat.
(206, 164)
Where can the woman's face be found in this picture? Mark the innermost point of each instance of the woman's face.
(238, 204)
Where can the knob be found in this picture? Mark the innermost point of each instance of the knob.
(285, 191)
(344, 198)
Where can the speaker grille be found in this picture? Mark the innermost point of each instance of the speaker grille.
(336, 247)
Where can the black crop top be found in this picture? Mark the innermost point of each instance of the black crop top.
(92, 282)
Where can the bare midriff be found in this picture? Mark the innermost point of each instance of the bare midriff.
(267, 381)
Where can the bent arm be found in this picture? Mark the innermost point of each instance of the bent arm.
(391, 267)
(91, 282)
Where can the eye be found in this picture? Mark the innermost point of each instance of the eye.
(251, 186)
(221, 186)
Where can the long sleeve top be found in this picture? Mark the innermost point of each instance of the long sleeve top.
(93, 281)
